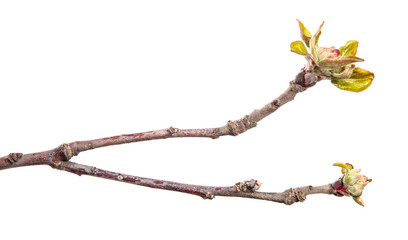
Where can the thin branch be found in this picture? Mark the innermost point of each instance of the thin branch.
(232, 128)
(246, 189)
(59, 157)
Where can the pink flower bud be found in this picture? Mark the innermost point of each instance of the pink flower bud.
(336, 51)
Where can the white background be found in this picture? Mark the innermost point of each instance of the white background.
(79, 70)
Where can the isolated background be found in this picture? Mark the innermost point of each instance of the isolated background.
(78, 70)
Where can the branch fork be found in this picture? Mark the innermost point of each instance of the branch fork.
(59, 157)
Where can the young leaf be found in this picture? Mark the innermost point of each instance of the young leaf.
(298, 47)
(350, 49)
(359, 80)
(339, 62)
(314, 41)
(344, 166)
(304, 33)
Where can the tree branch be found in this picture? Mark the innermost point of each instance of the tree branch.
(59, 157)
(246, 189)
(232, 128)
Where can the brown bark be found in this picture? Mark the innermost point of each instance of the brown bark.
(59, 157)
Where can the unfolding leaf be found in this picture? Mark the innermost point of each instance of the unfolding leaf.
(314, 42)
(339, 62)
(304, 33)
(340, 164)
(298, 47)
(310, 59)
(359, 80)
(359, 200)
(344, 166)
(344, 72)
(350, 49)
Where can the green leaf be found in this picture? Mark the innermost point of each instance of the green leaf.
(304, 33)
(298, 47)
(350, 49)
(314, 42)
(344, 165)
(344, 72)
(359, 81)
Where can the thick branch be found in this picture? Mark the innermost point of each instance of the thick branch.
(246, 189)
(66, 151)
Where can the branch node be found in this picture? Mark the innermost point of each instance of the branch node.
(293, 196)
(173, 130)
(94, 170)
(297, 87)
(14, 157)
(276, 103)
(67, 150)
(248, 185)
(215, 136)
(306, 79)
(209, 195)
(336, 186)
(57, 165)
(239, 126)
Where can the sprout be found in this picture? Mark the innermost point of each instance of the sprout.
(352, 183)
(333, 63)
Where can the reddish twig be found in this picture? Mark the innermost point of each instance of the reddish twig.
(246, 189)
(232, 128)
(59, 157)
